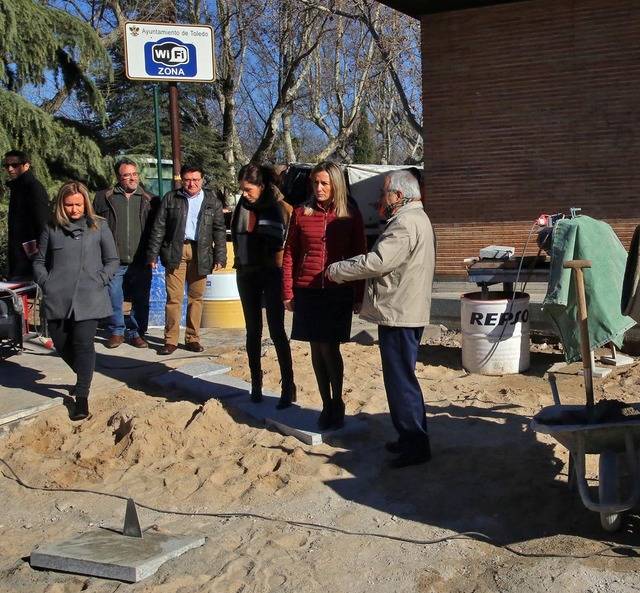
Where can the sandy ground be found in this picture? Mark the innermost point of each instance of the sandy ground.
(491, 477)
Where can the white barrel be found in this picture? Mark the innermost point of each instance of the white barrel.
(495, 332)
(222, 307)
(221, 286)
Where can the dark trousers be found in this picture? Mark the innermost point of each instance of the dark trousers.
(74, 342)
(399, 353)
(253, 285)
(132, 282)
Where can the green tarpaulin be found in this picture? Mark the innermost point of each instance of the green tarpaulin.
(586, 238)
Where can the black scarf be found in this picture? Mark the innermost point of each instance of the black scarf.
(258, 246)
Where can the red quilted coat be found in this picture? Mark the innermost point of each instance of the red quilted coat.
(316, 240)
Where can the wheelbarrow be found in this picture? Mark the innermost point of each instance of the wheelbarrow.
(614, 442)
(575, 427)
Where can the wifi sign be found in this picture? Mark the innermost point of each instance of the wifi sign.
(170, 57)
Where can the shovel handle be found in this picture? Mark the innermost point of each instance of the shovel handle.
(577, 265)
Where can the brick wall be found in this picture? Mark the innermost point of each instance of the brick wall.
(529, 107)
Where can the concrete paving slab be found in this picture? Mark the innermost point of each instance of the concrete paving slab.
(294, 421)
(180, 377)
(110, 555)
(199, 369)
(200, 388)
(30, 383)
(619, 360)
(365, 337)
(22, 403)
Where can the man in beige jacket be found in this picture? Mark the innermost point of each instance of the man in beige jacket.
(399, 272)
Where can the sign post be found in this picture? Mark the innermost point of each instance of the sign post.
(172, 53)
(156, 117)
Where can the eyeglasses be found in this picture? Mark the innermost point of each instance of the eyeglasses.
(12, 165)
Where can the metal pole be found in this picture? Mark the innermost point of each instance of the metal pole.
(175, 133)
(156, 114)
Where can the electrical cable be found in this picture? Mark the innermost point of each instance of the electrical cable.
(465, 535)
(523, 286)
(495, 345)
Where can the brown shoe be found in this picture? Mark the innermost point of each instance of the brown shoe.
(194, 347)
(138, 342)
(114, 341)
(167, 349)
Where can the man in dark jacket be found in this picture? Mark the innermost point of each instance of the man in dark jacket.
(190, 236)
(28, 213)
(128, 209)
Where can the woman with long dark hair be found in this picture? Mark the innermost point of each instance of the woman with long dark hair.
(258, 230)
(77, 257)
(323, 231)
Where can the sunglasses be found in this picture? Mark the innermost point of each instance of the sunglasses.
(12, 165)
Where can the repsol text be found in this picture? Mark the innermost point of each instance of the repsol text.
(507, 318)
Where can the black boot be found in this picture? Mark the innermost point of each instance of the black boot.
(337, 416)
(288, 394)
(256, 388)
(326, 417)
(81, 409)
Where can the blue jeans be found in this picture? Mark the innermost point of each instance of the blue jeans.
(399, 354)
(132, 282)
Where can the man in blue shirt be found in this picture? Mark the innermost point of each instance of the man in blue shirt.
(189, 235)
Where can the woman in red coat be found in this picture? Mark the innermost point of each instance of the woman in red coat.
(321, 232)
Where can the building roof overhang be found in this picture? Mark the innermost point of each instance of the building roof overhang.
(417, 8)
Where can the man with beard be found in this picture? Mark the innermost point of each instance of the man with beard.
(28, 213)
(128, 209)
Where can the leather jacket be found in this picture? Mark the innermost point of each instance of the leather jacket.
(167, 233)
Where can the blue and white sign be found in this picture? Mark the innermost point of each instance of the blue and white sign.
(170, 57)
(160, 51)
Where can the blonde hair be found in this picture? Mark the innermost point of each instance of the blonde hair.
(338, 188)
(70, 188)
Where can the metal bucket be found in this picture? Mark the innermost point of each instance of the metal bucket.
(495, 332)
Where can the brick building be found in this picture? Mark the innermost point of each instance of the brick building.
(530, 106)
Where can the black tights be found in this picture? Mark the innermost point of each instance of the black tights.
(328, 368)
(253, 285)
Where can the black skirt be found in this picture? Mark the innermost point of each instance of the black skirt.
(322, 314)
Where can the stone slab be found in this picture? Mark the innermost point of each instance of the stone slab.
(203, 386)
(366, 334)
(294, 421)
(199, 369)
(366, 337)
(21, 403)
(562, 368)
(619, 360)
(599, 372)
(110, 555)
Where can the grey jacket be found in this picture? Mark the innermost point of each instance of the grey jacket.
(73, 267)
(399, 270)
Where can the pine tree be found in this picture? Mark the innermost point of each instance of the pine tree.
(37, 42)
(364, 148)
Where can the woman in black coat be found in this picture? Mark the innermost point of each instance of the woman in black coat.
(258, 230)
(77, 257)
